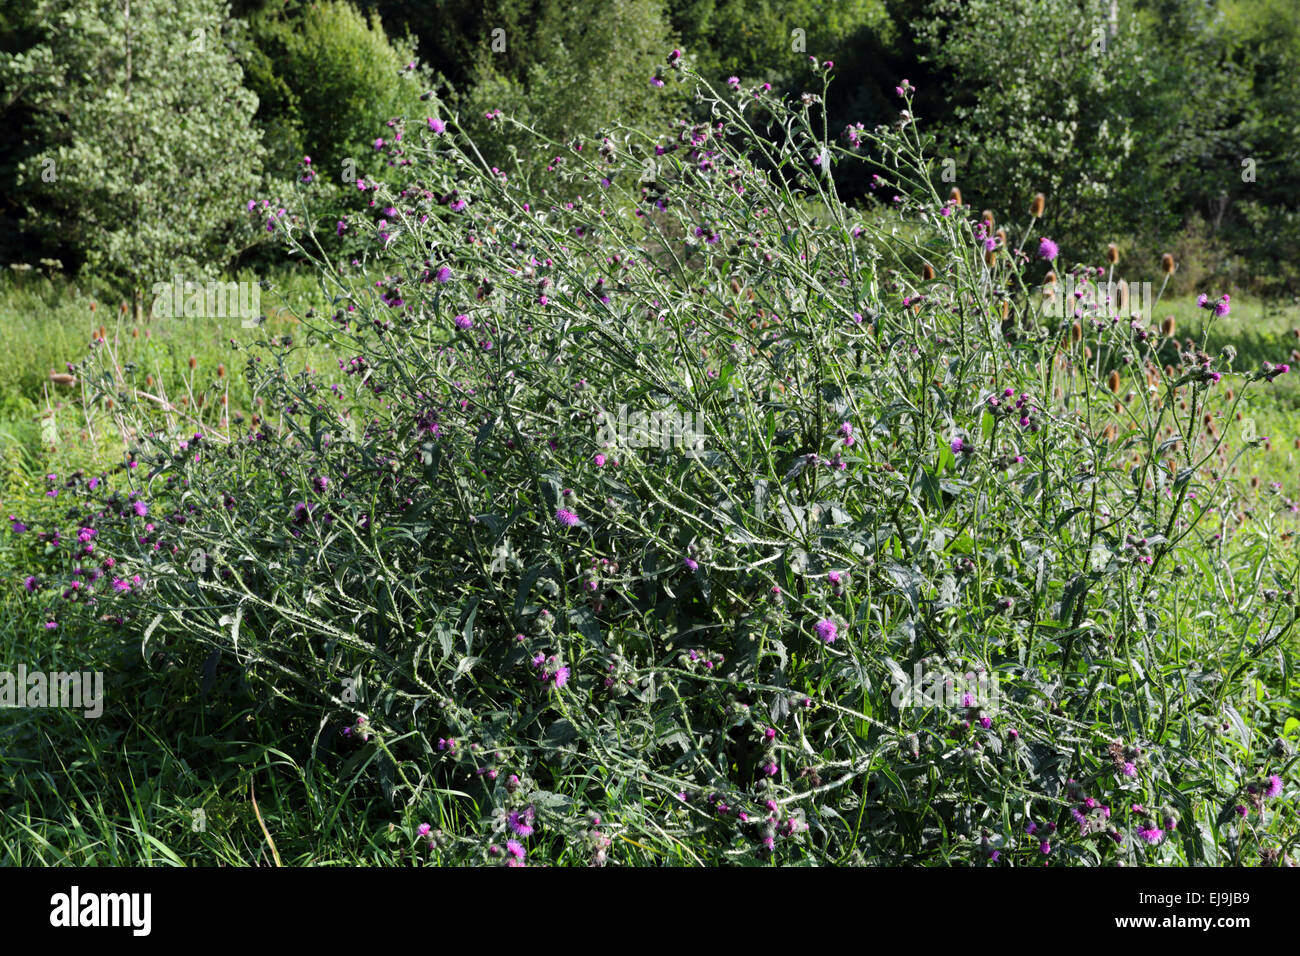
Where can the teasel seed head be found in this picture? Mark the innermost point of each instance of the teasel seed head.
(1113, 381)
(1037, 204)
(927, 272)
(955, 196)
(1076, 332)
(1167, 264)
(1167, 327)
(1112, 254)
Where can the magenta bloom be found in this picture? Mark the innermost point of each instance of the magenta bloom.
(566, 517)
(599, 461)
(655, 81)
(1274, 786)
(140, 508)
(464, 322)
(520, 824)
(437, 125)
(1047, 249)
(1152, 834)
(515, 849)
(561, 677)
(444, 274)
(826, 630)
(423, 829)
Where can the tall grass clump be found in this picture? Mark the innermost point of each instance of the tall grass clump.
(696, 517)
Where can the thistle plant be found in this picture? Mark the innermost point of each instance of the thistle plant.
(459, 573)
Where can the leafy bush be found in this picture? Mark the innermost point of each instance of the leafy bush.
(546, 629)
(144, 135)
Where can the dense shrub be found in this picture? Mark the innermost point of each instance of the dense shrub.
(142, 135)
(845, 457)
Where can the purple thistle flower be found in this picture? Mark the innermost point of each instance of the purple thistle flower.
(423, 829)
(515, 849)
(1151, 834)
(826, 630)
(1274, 786)
(566, 517)
(464, 322)
(140, 508)
(1047, 249)
(561, 677)
(444, 274)
(519, 824)
(437, 125)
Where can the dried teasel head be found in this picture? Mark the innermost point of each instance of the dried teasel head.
(193, 361)
(1113, 381)
(1167, 264)
(955, 196)
(1167, 327)
(221, 371)
(1037, 205)
(1112, 254)
(987, 216)
(927, 272)
(1121, 289)
(1076, 332)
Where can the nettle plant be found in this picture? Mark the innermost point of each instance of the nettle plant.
(474, 564)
